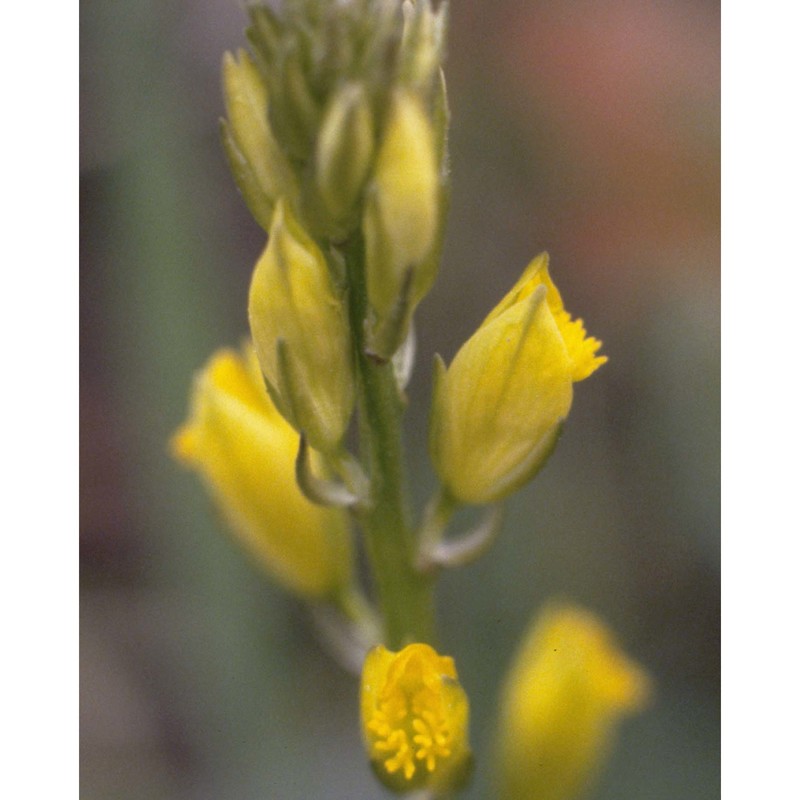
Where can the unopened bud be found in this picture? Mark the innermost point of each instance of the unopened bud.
(402, 216)
(422, 43)
(295, 113)
(258, 165)
(344, 151)
(299, 322)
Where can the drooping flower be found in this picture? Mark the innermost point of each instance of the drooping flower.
(498, 408)
(414, 716)
(245, 453)
(566, 692)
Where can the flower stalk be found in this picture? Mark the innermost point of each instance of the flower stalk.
(405, 595)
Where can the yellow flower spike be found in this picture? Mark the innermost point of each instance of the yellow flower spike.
(498, 408)
(567, 690)
(415, 716)
(245, 452)
(256, 160)
(298, 319)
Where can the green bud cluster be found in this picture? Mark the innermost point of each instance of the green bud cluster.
(318, 87)
(336, 137)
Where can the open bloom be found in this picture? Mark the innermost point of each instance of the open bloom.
(498, 408)
(567, 690)
(245, 453)
(414, 715)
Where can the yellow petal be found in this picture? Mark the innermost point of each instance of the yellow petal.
(582, 349)
(245, 452)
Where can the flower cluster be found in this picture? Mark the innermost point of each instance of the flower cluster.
(340, 113)
(336, 135)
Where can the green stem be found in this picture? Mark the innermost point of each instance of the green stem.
(405, 596)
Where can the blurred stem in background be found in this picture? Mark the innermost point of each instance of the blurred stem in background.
(159, 313)
(160, 261)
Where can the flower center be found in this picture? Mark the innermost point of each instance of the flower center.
(411, 730)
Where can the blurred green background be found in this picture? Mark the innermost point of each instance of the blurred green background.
(587, 129)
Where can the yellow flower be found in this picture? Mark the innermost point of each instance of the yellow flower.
(567, 690)
(245, 452)
(414, 716)
(498, 409)
(301, 332)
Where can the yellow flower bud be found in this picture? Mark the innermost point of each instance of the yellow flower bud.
(402, 215)
(298, 318)
(498, 408)
(415, 716)
(245, 452)
(344, 151)
(567, 690)
(260, 168)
